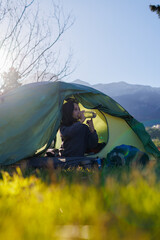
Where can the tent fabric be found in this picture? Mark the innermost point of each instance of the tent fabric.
(31, 115)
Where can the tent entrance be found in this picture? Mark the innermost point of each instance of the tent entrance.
(100, 124)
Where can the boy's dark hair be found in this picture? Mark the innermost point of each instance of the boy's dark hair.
(67, 112)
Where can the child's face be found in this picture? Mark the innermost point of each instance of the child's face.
(76, 111)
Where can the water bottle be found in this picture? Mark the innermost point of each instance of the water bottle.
(89, 114)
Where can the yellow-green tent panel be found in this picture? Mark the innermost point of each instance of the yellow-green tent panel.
(119, 132)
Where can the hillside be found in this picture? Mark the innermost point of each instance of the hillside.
(140, 101)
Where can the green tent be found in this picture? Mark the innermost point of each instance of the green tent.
(31, 115)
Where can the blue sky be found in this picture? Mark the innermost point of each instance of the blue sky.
(114, 40)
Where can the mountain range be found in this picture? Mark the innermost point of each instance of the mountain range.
(141, 101)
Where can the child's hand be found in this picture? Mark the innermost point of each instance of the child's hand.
(90, 125)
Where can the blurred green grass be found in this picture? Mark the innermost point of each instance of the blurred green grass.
(117, 203)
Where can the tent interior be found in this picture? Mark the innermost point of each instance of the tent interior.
(111, 130)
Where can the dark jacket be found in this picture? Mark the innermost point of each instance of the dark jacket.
(77, 139)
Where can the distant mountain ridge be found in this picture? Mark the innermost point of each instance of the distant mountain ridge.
(142, 102)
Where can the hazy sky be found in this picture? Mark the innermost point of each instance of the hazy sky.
(114, 40)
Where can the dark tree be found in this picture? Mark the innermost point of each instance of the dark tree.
(155, 9)
(10, 80)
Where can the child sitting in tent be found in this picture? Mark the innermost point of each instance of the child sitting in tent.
(77, 138)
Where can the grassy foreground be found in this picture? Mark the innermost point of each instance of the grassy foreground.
(80, 204)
